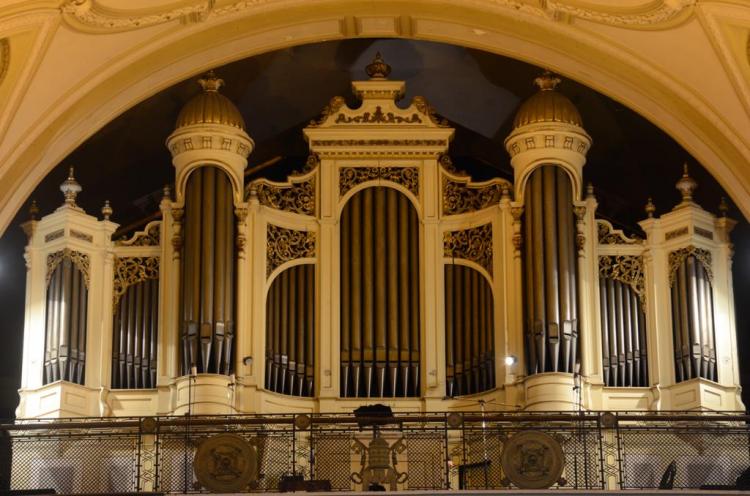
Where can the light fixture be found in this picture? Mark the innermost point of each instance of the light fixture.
(510, 360)
(248, 360)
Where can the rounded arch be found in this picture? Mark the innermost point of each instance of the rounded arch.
(344, 200)
(182, 180)
(472, 265)
(570, 171)
(185, 51)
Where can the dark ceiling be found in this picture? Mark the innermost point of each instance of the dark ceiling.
(278, 93)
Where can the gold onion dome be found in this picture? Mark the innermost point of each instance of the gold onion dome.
(210, 107)
(547, 105)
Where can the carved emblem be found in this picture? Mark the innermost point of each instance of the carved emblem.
(463, 196)
(407, 177)
(81, 235)
(80, 260)
(225, 463)
(473, 244)
(332, 108)
(132, 270)
(423, 106)
(627, 269)
(608, 235)
(378, 461)
(532, 460)
(150, 236)
(54, 235)
(296, 197)
(284, 244)
(378, 117)
(678, 256)
(676, 233)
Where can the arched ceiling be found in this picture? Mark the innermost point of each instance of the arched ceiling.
(76, 64)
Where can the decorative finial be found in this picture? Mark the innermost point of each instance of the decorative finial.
(547, 81)
(166, 193)
(378, 69)
(70, 188)
(210, 82)
(589, 190)
(33, 210)
(723, 207)
(650, 208)
(686, 186)
(505, 192)
(106, 210)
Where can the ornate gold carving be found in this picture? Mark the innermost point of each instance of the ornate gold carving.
(704, 232)
(608, 235)
(380, 142)
(378, 117)
(532, 460)
(283, 245)
(407, 177)
(177, 215)
(463, 196)
(676, 233)
(332, 108)
(4, 58)
(516, 213)
(627, 269)
(54, 235)
(150, 236)
(241, 214)
(297, 197)
(225, 463)
(580, 213)
(80, 260)
(378, 462)
(132, 270)
(423, 106)
(473, 244)
(678, 256)
(81, 235)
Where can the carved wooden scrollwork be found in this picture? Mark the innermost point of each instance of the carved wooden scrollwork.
(608, 235)
(132, 270)
(627, 269)
(407, 177)
(378, 117)
(678, 256)
(150, 236)
(297, 197)
(80, 260)
(284, 244)
(462, 196)
(474, 244)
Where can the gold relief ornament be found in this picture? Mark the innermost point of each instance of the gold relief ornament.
(408, 177)
(297, 197)
(378, 117)
(225, 463)
(132, 270)
(678, 256)
(378, 462)
(150, 236)
(608, 235)
(80, 260)
(474, 244)
(329, 110)
(533, 460)
(462, 196)
(283, 245)
(424, 106)
(627, 269)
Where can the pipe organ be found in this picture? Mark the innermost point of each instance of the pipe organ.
(378, 273)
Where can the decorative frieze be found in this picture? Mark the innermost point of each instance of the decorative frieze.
(295, 197)
(378, 117)
(80, 260)
(474, 244)
(627, 269)
(676, 233)
(150, 236)
(678, 256)
(54, 235)
(462, 196)
(703, 232)
(407, 177)
(608, 235)
(132, 270)
(283, 245)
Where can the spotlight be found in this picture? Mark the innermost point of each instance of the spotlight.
(510, 360)
(248, 360)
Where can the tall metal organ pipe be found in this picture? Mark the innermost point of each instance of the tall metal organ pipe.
(380, 305)
(65, 326)
(208, 280)
(693, 321)
(551, 305)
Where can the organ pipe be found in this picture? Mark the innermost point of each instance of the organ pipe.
(692, 321)
(380, 311)
(290, 332)
(469, 337)
(550, 273)
(65, 324)
(135, 336)
(208, 280)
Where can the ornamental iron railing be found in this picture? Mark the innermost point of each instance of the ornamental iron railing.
(341, 452)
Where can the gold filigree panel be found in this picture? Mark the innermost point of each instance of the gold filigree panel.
(407, 177)
(378, 117)
(474, 244)
(80, 260)
(608, 235)
(297, 197)
(283, 245)
(150, 236)
(132, 270)
(677, 257)
(462, 196)
(627, 269)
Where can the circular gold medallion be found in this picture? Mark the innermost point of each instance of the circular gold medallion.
(532, 460)
(608, 420)
(225, 463)
(302, 421)
(455, 420)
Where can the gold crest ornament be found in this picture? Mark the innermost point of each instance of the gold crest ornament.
(532, 460)
(225, 463)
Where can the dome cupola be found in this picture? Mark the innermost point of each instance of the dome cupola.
(547, 105)
(210, 106)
